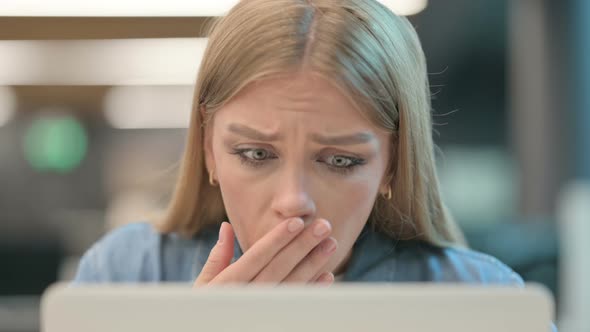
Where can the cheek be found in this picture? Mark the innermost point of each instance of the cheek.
(357, 202)
(243, 199)
(347, 206)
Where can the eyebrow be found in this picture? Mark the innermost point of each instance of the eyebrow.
(349, 139)
(252, 133)
(352, 139)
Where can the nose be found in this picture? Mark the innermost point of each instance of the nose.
(292, 197)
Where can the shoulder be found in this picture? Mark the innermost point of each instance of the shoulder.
(128, 253)
(453, 264)
(130, 234)
(383, 259)
(469, 265)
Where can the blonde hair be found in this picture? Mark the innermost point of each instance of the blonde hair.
(363, 48)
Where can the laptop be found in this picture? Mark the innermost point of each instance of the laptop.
(341, 307)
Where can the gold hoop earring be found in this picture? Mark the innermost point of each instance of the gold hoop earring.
(212, 181)
(389, 194)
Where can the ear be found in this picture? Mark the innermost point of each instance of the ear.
(389, 170)
(207, 127)
(384, 186)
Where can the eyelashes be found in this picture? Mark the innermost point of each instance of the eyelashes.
(342, 164)
(258, 157)
(253, 157)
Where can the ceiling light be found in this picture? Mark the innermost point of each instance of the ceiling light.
(147, 8)
(158, 61)
(113, 8)
(405, 7)
(141, 107)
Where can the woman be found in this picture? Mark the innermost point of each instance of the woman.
(311, 135)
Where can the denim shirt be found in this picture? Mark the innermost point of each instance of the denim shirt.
(138, 253)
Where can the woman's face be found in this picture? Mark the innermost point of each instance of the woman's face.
(296, 147)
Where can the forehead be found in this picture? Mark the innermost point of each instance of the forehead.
(302, 96)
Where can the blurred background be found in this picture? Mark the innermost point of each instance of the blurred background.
(95, 100)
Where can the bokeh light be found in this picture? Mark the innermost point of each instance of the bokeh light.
(55, 144)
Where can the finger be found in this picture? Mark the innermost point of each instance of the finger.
(219, 257)
(309, 267)
(262, 252)
(288, 258)
(326, 278)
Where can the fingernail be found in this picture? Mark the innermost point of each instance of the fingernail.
(329, 245)
(328, 277)
(295, 224)
(321, 229)
(220, 238)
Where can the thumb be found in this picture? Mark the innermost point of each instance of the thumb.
(220, 256)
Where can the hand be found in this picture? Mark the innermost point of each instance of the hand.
(288, 253)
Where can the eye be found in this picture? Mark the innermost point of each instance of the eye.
(253, 156)
(339, 161)
(342, 164)
(256, 154)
